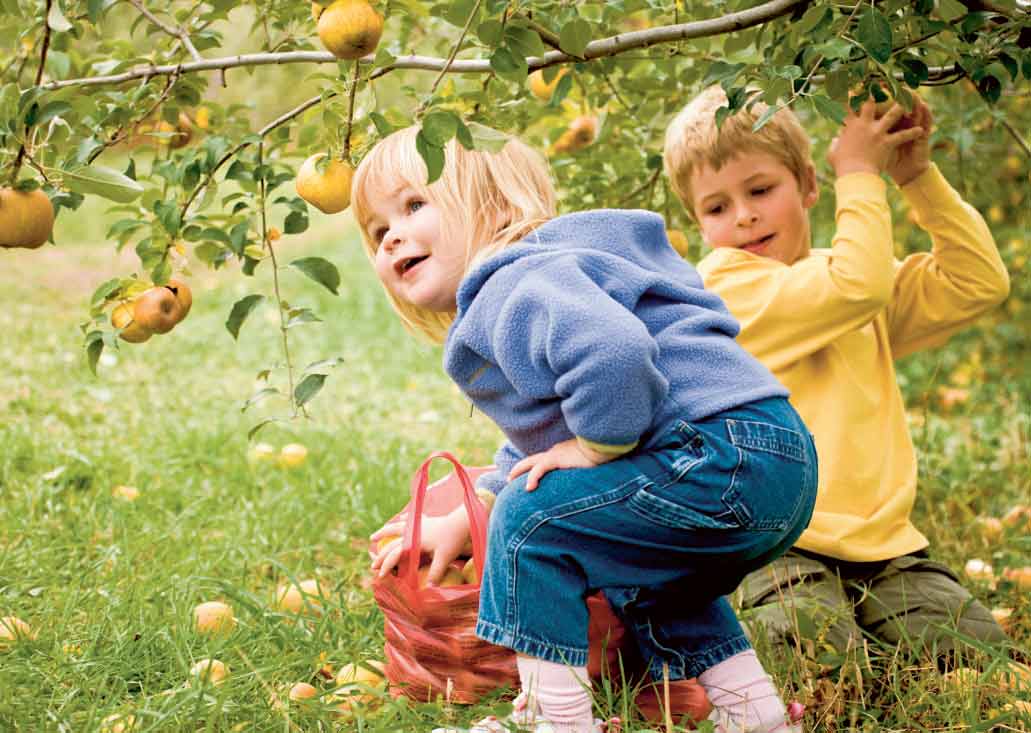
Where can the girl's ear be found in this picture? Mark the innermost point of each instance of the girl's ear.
(810, 189)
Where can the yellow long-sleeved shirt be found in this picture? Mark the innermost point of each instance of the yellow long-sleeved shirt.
(830, 327)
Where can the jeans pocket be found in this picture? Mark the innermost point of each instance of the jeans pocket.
(775, 473)
(652, 507)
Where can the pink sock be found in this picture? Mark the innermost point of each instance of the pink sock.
(743, 696)
(561, 694)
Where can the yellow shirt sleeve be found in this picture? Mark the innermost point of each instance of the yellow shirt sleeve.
(791, 312)
(939, 292)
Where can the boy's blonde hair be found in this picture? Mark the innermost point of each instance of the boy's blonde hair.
(693, 141)
(489, 200)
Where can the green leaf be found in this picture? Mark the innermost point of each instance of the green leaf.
(574, 37)
(490, 32)
(295, 222)
(829, 108)
(300, 316)
(308, 388)
(951, 10)
(318, 366)
(465, 137)
(432, 156)
(508, 65)
(321, 271)
(93, 10)
(487, 138)
(104, 290)
(914, 71)
(524, 41)
(258, 396)
(765, 117)
(439, 127)
(168, 214)
(241, 309)
(56, 20)
(874, 34)
(104, 182)
(721, 71)
(93, 352)
(254, 431)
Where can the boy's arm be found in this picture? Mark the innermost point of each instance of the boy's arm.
(963, 276)
(790, 312)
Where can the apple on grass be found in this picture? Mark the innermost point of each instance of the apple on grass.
(213, 618)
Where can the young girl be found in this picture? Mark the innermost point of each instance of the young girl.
(648, 455)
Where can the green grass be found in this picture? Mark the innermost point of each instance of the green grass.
(108, 585)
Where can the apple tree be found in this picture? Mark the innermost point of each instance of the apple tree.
(201, 121)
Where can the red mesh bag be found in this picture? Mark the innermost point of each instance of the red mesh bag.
(430, 631)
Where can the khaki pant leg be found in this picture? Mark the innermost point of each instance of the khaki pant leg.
(919, 601)
(797, 597)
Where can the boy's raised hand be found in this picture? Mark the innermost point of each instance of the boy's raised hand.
(445, 538)
(912, 158)
(868, 141)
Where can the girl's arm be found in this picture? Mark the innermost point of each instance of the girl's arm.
(445, 538)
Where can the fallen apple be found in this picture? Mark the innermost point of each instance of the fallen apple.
(213, 618)
(128, 493)
(292, 455)
(305, 597)
(976, 569)
(210, 671)
(13, 629)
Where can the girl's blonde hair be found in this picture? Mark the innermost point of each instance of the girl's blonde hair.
(693, 141)
(489, 200)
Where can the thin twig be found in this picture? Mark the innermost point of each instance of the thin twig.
(266, 242)
(39, 77)
(282, 119)
(174, 31)
(350, 110)
(1016, 136)
(641, 189)
(450, 58)
(546, 35)
(601, 48)
(124, 131)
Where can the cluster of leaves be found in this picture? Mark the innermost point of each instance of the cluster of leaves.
(214, 201)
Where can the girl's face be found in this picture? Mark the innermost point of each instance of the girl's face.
(413, 259)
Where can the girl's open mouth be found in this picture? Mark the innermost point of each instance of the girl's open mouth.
(410, 263)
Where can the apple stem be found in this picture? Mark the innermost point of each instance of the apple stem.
(16, 166)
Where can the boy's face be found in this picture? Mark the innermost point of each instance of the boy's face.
(415, 262)
(754, 203)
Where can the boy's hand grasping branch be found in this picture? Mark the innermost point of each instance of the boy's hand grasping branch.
(867, 143)
(911, 159)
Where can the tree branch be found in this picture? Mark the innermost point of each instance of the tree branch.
(282, 119)
(601, 48)
(174, 31)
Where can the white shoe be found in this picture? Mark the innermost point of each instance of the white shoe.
(525, 720)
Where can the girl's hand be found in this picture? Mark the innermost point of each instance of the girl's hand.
(867, 142)
(445, 538)
(567, 454)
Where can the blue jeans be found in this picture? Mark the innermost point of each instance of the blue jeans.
(666, 532)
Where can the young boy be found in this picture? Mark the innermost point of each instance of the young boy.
(830, 323)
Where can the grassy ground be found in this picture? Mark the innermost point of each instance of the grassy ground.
(108, 584)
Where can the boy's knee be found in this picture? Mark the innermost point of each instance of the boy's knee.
(917, 600)
(797, 599)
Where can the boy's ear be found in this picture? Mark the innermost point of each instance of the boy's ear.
(810, 189)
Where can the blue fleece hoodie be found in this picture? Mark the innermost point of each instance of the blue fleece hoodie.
(593, 326)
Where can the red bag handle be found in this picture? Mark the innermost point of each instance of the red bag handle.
(413, 526)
